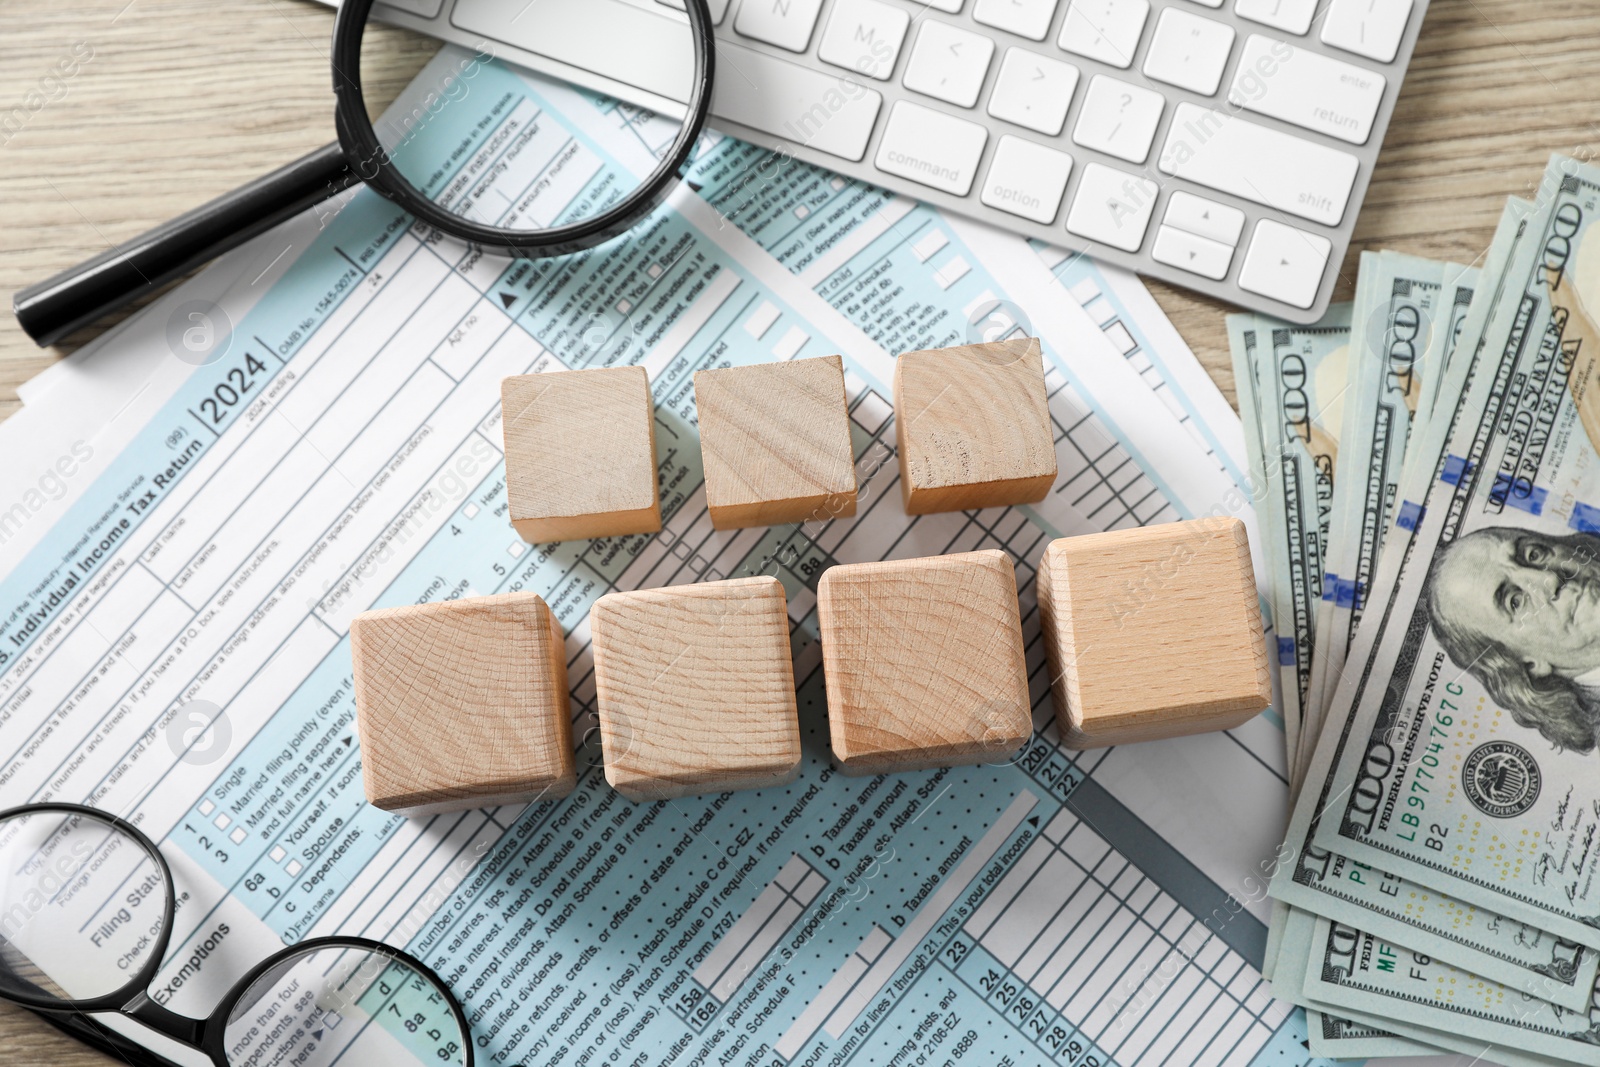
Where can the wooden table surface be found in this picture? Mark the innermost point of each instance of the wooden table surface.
(116, 115)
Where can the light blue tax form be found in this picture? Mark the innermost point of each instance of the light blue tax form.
(1117, 301)
(843, 238)
(183, 547)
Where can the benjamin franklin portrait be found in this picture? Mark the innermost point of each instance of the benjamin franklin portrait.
(1520, 611)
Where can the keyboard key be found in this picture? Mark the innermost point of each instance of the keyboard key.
(1118, 119)
(719, 8)
(1107, 30)
(1204, 218)
(1112, 207)
(784, 23)
(948, 63)
(793, 102)
(864, 36)
(1370, 28)
(930, 147)
(565, 28)
(1307, 89)
(1284, 263)
(951, 6)
(1033, 91)
(1279, 170)
(1025, 18)
(1290, 16)
(1027, 179)
(1186, 251)
(1188, 51)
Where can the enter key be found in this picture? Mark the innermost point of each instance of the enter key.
(1308, 89)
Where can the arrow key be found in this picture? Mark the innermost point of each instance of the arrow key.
(1204, 218)
(1285, 263)
(1033, 91)
(1197, 255)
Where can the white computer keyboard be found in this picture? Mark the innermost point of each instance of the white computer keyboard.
(1222, 145)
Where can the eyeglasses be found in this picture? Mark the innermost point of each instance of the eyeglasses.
(87, 906)
(517, 183)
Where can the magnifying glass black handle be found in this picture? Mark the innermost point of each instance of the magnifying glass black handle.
(53, 308)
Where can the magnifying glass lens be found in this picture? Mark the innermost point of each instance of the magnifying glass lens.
(496, 146)
(82, 905)
(351, 1005)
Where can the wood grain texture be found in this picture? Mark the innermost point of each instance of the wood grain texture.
(694, 688)
(462, 704)
(1494, 87)
(580, 454)
(186, 99)
(1152, 632)
(924, 662)
(972, 427)
(29, 1041)
(775, 441)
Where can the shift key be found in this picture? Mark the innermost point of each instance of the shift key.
(1269, 167)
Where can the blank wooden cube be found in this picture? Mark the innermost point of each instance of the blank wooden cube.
(1153, 632)
(972, 426)
(462, 704)
(924, 662)
(776, 442)
(580, 454)
(695, 688)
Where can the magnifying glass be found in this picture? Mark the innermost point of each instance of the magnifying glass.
(87, 910)
(499, 196)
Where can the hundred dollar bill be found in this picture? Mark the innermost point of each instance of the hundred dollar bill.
(1469, 319)
(1294, 949)
(1521, 957)
(1244, 333)
(1481, 1052)
(1296, 376)
(1421, 475)
(1334, 1037)
(1518, 954)
(1398, 298)
(1465, 755)
(1389, 340)
(1442, 345)
(1375, 978)
(1275, 921)
(1332, 1032)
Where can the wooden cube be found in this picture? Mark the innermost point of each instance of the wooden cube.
(1153, 632)
(924, 663)
(462, 704)
(972, 426)
(694, 686)
(580, 454)
(775, 438)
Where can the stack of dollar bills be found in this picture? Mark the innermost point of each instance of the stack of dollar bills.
(1431, 461)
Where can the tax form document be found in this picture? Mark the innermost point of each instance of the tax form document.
(842, 239)
(1118, 302)
(174, 649)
